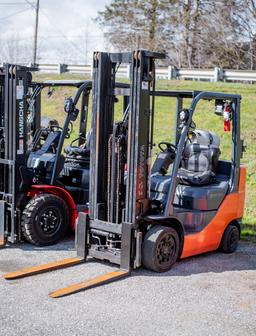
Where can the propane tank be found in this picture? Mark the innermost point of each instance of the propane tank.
(205, 138)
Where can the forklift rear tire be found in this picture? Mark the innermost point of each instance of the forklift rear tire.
(160, 248)
(45, 220)
(230, 239)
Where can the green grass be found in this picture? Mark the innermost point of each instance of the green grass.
(204, 118)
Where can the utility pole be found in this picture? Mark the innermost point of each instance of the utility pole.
(86, 42)
(36, 33)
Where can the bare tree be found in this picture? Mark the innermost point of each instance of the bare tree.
(133, 24)
(247, 24)
(187, 30)
(194, 33)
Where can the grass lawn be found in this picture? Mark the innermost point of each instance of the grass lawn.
(204, 118)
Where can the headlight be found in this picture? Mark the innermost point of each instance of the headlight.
(183, 115)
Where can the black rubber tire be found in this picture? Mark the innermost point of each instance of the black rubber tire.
(34, 218)
(230, 239)
(153, 241)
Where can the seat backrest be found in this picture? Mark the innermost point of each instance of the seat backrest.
(201, 152)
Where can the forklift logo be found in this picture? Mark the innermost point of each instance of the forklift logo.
(19, 97)
(141, 172)
(21, 117)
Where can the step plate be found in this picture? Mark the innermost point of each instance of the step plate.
(26, 272)
(98, 281)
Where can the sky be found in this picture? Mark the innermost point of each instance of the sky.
(67, 32)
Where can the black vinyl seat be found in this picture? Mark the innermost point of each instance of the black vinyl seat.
(201, 182)
(76, 151)
(207, 197)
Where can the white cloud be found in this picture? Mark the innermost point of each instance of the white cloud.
(67, 31)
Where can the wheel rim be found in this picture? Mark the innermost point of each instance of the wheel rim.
(50, 220)
(234, 238)
(165, 251)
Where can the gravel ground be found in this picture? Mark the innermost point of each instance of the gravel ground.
(212, 294)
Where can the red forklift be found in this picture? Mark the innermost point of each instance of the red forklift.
(188, 202)
(41, 188)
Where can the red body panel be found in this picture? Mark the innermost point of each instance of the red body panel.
(209, 239)
(38, 189)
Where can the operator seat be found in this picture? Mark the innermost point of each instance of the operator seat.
(199, 186)
(75, 173)
(77, 151)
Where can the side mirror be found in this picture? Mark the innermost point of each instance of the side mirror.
(50, 92)
(70, 108)
(184, 115)
(69, 105)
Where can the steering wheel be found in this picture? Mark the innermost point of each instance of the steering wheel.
(69, 130)
(80, 137)
(168, 146)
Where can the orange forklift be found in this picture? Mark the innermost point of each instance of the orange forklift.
(188, 202)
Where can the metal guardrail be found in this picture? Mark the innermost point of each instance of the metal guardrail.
(170, 72)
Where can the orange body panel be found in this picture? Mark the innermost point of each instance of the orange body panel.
(209, 239)
(2, 241)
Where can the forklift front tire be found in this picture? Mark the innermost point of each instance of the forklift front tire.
(230, 239)
(160, 248)
(45, 220)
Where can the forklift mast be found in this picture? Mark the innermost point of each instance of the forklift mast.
(17, 126)
(119, 191)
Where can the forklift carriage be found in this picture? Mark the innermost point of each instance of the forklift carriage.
(188, 202)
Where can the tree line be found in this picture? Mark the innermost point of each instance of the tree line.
(193, 33)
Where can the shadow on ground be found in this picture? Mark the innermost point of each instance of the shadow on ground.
(243, 259)
(68, 243)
